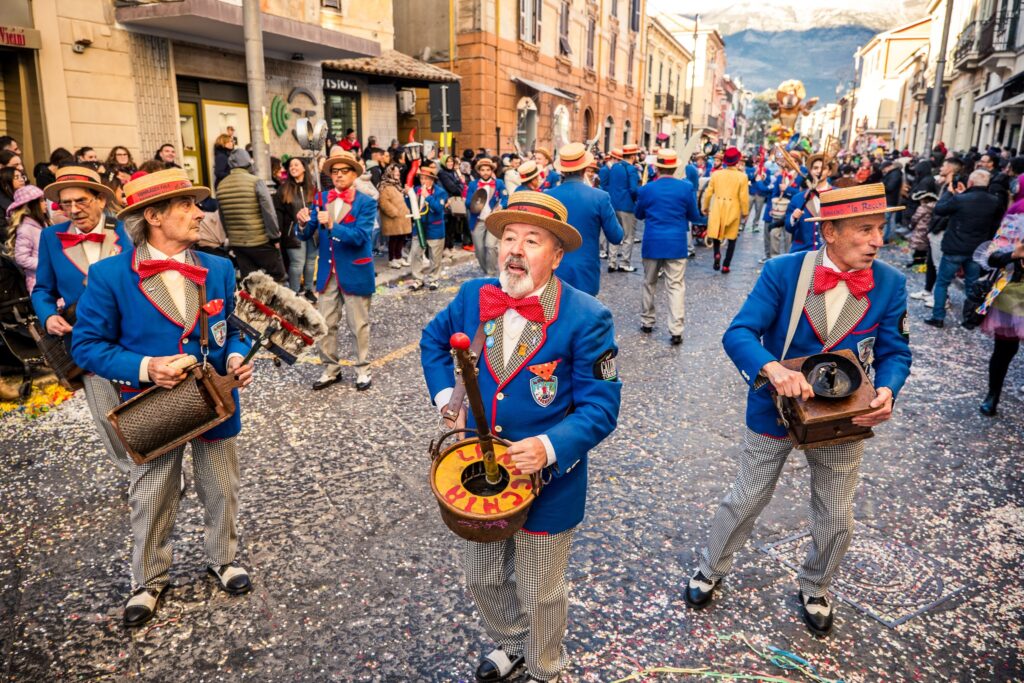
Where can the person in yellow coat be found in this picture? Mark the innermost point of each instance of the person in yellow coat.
(726, 203)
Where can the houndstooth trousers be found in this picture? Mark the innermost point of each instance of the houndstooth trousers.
(525, 614)
(835, 471)
(101, 396)
(154, 494)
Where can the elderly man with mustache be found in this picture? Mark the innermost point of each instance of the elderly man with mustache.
(550, 387)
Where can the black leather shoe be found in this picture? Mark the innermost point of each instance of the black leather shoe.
(697, 593)
(364, 384)
(232, 578)
(492, 665)
(612, 268)
(646, 330)
(718, 263)
(326, 381)
(935, 322)
(988, 406)
(676, 340)
(819, 621)
(142, 606)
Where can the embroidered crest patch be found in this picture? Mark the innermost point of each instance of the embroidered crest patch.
(543, 390)
(604, 368)
(866, 351)
(220, 331)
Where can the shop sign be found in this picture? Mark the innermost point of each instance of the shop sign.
(18, 36)
(341, 83)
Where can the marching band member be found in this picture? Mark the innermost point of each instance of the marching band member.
(529, 176)
(432, 198)
(623, 183)
(804, 206)
(485, 245)
(549, 177)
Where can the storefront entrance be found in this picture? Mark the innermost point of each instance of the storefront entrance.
(206, 110)
(342, 98)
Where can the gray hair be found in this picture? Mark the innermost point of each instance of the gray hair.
(979, 178)
(135, 223)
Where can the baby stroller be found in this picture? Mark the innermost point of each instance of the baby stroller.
(19, 352)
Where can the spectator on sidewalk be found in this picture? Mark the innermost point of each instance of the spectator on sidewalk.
(395, 223)
(222, 148)
(892, 178)
(974, 214)
(120, 164)
(27, 217)
(350, 143)
(296, 191)
(247, 213)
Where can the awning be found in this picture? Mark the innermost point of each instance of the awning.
(541, 87)
(1013, 102)
(394, 65)
(214, 22)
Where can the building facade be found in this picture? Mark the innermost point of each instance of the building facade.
(706, 75)
(666, 86)
(535, 72)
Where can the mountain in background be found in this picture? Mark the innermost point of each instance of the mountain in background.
(734, 16)
(821, 58)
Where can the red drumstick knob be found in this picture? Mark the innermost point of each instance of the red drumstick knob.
(459, 341)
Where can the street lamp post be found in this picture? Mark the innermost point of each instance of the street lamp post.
(940, 68)
(252, 30)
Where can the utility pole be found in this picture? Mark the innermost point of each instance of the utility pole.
(940, 68)
(693, 78)
(252, 28)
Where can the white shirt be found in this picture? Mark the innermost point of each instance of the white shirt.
(513, 325)
(92, 249)
(486, 211)
(835, 298)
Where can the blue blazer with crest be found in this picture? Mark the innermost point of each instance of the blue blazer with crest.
(874, 328)
(579, 412)
(346, 248)
(499, 196)
(590, 212)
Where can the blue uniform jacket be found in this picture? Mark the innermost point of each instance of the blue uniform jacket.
(433, 221)
(805, 233)
(500, 195)
(580, 337)
(874, 328)
(346, 248)
(122, 319)
(763, 187)
(667, 205)
(778, 191)
(61, 273)
(590, 211)
(551, 180)
(623, 183)
(602, 176)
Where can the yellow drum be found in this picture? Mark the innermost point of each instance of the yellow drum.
(470, 506)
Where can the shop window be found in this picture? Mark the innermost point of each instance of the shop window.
(529, 20)
(564, 48)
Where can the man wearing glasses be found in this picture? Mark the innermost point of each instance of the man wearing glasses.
(341, 224)
(65, 253)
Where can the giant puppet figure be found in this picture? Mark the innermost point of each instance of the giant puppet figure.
(789, 104)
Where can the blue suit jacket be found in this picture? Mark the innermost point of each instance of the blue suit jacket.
(667, 205)
(499, 196)
(805, 233)
(623, 183)
(874, 329)
(346, 248)
(590, 212)
(579, 335)
(602, 176)
(433, 221)
(122, 319)
(551, 180)
(61, 273)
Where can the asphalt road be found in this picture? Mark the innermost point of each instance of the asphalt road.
(358, 580)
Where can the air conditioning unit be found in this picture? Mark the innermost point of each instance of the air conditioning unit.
(406, 102)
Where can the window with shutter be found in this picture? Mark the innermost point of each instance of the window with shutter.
(634, 15)
(591, 32)
(613, 48)
(629, 65)
(538, 9)
(564, 48)
(529, 20)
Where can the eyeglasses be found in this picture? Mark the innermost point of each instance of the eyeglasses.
(70, 204)
(343, 170)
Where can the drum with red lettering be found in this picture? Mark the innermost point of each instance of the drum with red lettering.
(470, 506)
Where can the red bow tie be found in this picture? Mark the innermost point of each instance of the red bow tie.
(486, 183)
(348, 196)
(151, 267)
(860, 282)
(68, 239)
(494, 303)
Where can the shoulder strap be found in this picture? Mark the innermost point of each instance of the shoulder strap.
(799, 298)
(451, 411)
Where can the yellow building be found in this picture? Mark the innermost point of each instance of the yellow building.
(666, 86)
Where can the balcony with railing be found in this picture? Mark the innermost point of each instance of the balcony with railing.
(965, 55)
(996, 40)
(664, 103)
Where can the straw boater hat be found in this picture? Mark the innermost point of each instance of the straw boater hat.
(630, 150)
(667, 158)
(829, 162)
(539, 209)
(852, 202)
(545, 152)
(573, 157)
(76, 176)
(342, 158)
(430, 171)
(485, 161)
(616, 153)
(528, 170)
(156, 187)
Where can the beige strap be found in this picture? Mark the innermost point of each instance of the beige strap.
(799, 298)
(451, 411)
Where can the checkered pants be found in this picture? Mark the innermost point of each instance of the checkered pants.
(526, 614)
(154, 494)
(101, 396)
(835, 471)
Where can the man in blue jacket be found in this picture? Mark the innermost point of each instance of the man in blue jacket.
(342, 220)
(590, 212)
(484, 244)
(432, 198)
(667, 205)
(803, 207)
(551, 389)
(66, 252)
(140, 317)
(853, 302)
(623, 183)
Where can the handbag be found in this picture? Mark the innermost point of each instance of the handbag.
(159, 420)
(457, 206)
(974, 312)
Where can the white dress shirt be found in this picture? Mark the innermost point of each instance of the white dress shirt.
(92, 249)
(513, 325)
(835, 298)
